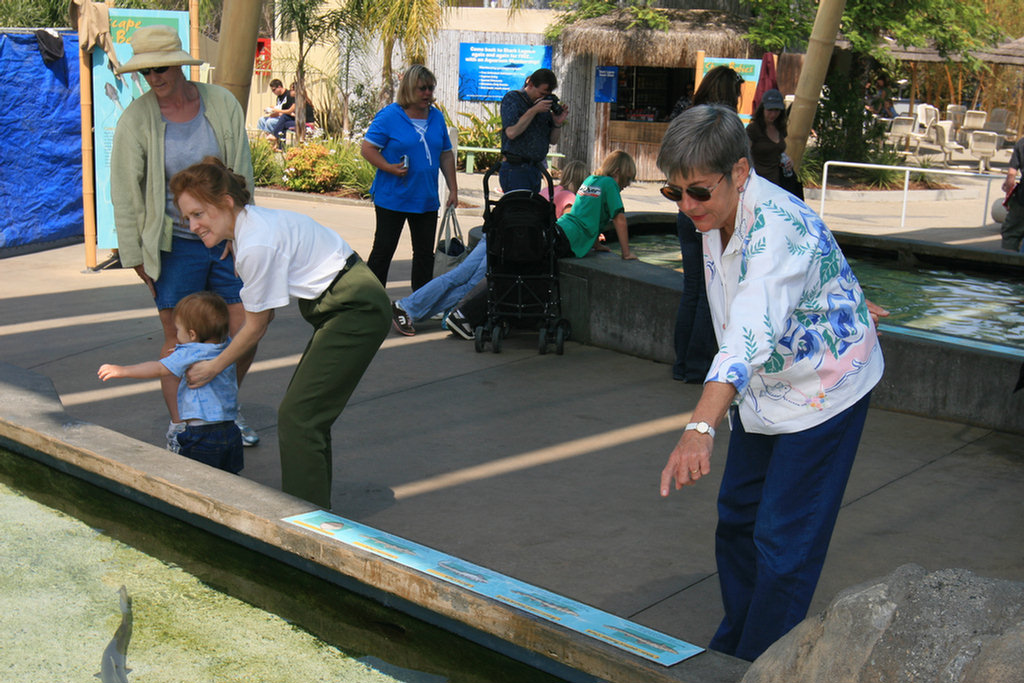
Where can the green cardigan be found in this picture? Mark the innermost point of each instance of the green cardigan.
(137, 183)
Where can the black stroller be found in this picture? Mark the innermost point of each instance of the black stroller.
(522, 271)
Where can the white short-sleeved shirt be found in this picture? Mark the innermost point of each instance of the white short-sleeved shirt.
(283, 254)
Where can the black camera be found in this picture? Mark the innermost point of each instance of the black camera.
(556, 107)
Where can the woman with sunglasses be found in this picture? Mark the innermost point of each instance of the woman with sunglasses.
(694, 334)
(798, 356)
(408, 143)
(175, 124)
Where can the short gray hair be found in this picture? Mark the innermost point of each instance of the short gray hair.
(708, 138)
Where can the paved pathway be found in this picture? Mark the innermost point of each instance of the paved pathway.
(542, 467)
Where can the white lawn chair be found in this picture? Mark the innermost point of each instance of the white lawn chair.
(974, 119)
(982, 146)
(900, 131)
(955, 114)
(944, 139)
(927, 116)
(997, 123)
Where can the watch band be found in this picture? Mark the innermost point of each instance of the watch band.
(701, 428)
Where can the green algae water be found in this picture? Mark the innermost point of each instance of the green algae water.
(954, 303)
(203, 609)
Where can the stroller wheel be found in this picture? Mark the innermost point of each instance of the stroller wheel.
(561, 334)
(478, 338)
(496, 334)
(542, 340)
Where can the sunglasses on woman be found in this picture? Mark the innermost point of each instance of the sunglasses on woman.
(156, 70)
(701, 194)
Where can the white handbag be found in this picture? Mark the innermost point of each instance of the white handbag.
(451, 246)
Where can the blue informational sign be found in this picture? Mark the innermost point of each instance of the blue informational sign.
(584, 619)
(487, 71)
(111, 94)
(606, 84)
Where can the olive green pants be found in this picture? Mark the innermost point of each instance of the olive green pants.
(350, 320)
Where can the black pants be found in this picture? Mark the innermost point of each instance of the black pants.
(422, 227)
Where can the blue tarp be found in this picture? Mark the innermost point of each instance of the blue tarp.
(40, 143)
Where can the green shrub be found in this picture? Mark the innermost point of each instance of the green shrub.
(929, 180)
(311, 167)
(882, 178)
(481, 132)
(265, 165)
(356, 172)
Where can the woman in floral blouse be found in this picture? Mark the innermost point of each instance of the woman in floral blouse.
(798, 356)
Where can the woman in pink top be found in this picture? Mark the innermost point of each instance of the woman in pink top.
(573, 175)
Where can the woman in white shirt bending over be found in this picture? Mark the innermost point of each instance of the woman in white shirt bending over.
(278, 255)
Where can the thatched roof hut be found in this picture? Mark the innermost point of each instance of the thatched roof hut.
(611, 40)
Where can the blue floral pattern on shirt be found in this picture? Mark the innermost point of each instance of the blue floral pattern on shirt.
(796, 340)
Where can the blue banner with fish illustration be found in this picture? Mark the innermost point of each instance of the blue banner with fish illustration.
(111, 94)
(621, 633)
(488, 71)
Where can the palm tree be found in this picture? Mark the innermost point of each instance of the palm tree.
(311, 25)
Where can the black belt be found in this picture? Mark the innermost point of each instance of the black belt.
(516, 159)
(210, 426)
(349, 262)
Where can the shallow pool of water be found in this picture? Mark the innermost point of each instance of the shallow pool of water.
(204, 609)
(954, 303)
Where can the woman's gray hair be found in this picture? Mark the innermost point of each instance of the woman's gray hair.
(708, 138)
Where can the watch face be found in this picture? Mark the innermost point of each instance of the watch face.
(703, 427)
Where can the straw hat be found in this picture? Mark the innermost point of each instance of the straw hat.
(156, 46)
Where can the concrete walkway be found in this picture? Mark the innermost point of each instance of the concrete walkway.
(544, 468)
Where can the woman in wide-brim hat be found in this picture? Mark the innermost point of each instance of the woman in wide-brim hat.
(175, 124)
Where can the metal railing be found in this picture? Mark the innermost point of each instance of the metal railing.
(907, 170)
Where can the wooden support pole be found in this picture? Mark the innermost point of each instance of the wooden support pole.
(88, 173)
(239, 27)
(193, 35)
(812, 76)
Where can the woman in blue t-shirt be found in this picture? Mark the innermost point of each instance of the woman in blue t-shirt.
(408, 143)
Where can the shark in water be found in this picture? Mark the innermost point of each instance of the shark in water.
(113, 666)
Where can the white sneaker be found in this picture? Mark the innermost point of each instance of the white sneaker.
(249, 435)
(173, 429)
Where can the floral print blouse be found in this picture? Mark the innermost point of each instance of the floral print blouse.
(794, 333)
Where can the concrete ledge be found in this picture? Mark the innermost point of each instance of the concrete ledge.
(33, 423)
(911, 253)
(630, 307)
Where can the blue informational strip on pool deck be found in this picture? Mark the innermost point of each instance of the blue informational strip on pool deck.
(621, 633)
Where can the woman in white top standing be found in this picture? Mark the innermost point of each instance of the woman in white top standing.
(278, 255)
(798, 356)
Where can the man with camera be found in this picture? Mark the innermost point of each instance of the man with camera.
(531, 121)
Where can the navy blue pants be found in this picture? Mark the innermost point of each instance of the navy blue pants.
(696, 345)
(520, 176)
(777, 506)
(217, 445)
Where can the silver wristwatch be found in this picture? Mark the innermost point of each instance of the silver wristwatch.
(701, 428)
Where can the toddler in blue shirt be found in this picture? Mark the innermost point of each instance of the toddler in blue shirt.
(211, 435)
